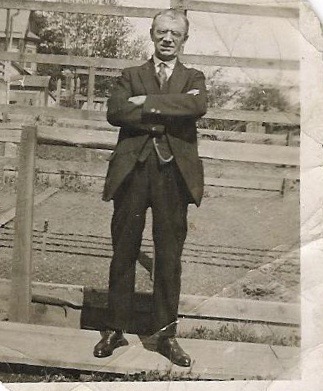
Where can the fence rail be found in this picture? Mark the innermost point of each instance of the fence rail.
(240, 9)
(272, 154)
(99, 62)
(11, 133)
(232, 115)
(190, 5)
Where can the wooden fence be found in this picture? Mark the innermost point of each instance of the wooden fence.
(223, 146)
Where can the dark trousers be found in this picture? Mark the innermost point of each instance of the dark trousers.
(162, 188)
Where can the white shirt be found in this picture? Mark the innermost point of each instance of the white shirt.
(169, 65)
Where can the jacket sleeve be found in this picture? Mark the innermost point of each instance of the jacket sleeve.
(123, 113)
(159, 106)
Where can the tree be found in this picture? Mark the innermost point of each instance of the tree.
(85, 35)
(259, 97)
(219, 94)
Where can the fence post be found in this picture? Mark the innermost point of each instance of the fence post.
(20, 298)
(77, 92)
(90, 90)
(58, 92)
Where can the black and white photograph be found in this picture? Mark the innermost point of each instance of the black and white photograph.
(160, 193)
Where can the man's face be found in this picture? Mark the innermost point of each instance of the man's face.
(168, 35)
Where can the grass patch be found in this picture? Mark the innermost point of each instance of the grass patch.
(18, 373)
(241, 333)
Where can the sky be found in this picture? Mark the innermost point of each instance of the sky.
(237, 35)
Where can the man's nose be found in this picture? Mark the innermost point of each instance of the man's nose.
(168, 36)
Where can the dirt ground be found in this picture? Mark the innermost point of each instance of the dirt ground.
(229, 237)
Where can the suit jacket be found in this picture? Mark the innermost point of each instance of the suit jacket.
(174, 113)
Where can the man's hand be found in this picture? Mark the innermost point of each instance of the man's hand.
(138, 100)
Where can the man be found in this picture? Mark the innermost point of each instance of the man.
(155, 165)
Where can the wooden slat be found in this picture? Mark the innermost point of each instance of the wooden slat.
(243, 183)
(13, 135)
(256, 116)
(91, 9)
(192, 306)
(9, 125)
(273, 154)
(10, 214)
(100, 62)
(10, 135)
(30, 344)
(52, 167)
(79, 137)
(240, 9)
(253, 138)
(201, 6)
(108, 72)
(233, 115)
(22, 250)
(90, 88)
(245, 310)
(241, 62)
(211, 150)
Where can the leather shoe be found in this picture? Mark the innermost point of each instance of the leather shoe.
(109, 342)
(170, 348)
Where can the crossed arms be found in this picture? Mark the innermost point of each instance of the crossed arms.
(152, 112)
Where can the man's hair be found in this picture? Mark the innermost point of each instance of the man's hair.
(173, 14)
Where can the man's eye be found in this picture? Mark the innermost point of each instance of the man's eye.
(176, 34)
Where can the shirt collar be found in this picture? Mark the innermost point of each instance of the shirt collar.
(170, 64)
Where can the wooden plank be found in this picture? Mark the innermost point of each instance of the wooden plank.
(30, 344)
(272, 154)
(240, 62)
(61, 168)
(22, 250)
(240, 183)
(104, 72)
(9, 125)
(228, 168)
(254, 138)
(107, 139)
(10, 214)
(193, 306)
(10, 135)
(90, 88)
(79, 137)
(233, 115)
(90, 9)
(98, 170)
(13, 134)
(256, 116)
(240, 9)
(193, 59)
(247, 310)
(98, 62)
(58, 92)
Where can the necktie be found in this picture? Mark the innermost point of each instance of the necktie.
(162, 75)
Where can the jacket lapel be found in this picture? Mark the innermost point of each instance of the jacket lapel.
(178, 78)
(148, 77)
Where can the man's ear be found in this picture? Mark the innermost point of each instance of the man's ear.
(185, 38)
(151, 34)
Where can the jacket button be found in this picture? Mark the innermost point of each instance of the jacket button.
(157, 111)
(152, 110)
(154, 129)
